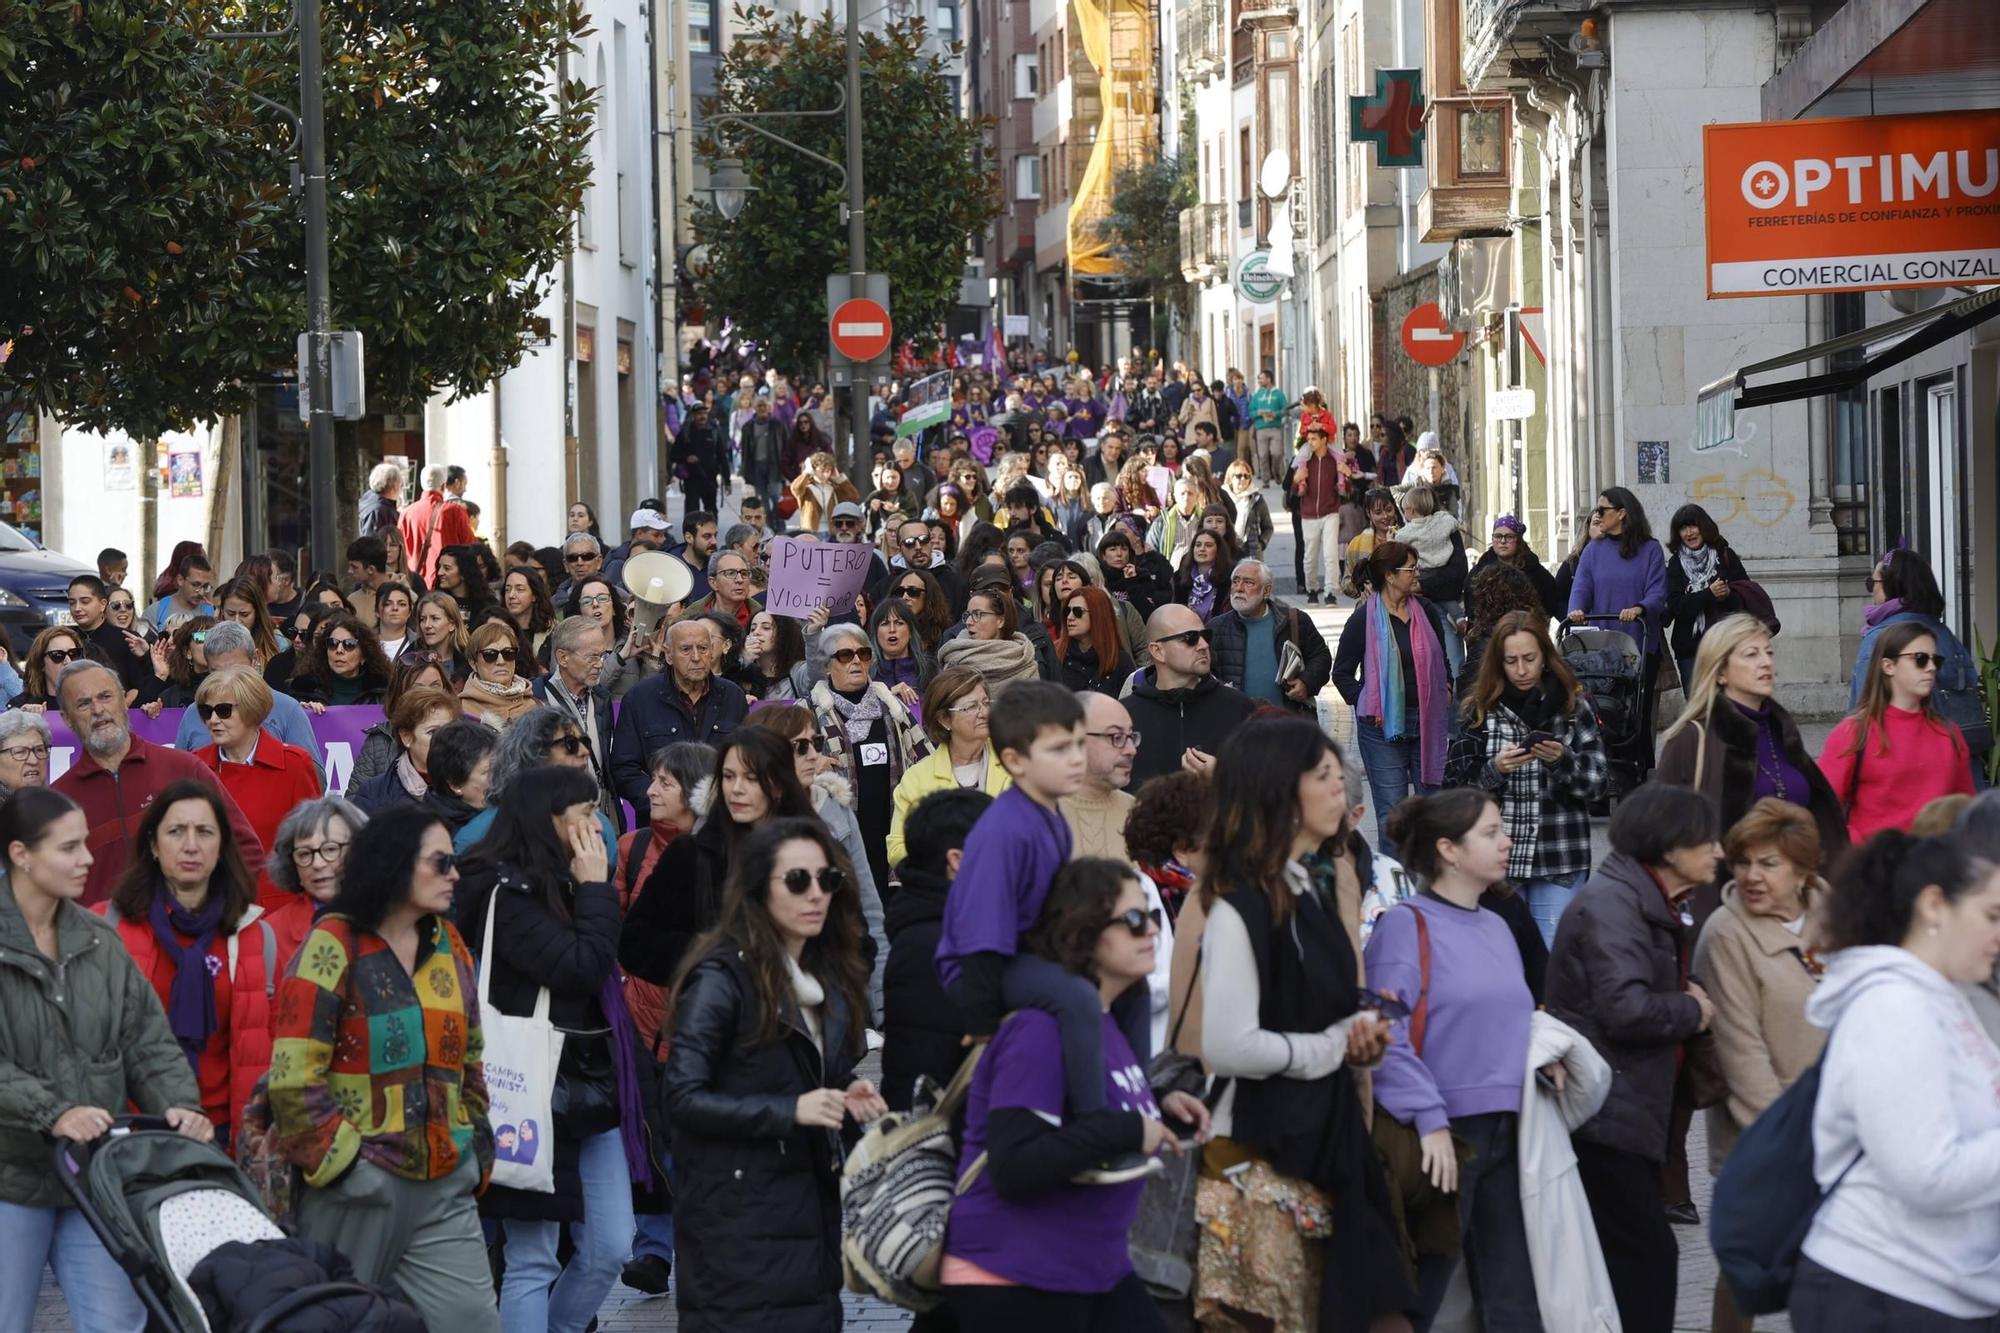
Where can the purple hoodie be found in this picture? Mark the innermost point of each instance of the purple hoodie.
(1475, 1056)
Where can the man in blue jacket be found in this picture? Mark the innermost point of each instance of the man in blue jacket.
(686, 702)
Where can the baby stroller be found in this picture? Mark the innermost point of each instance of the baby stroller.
(161, 1203)
(1611, 666)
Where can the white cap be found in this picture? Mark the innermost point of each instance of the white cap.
(648, 518)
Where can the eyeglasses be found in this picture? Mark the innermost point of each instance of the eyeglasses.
(491, 655)
(583, 659)
(1186, 638)
(442, 862)
(732, 573)
(342, 645)
(975, 613)
(570, 745)
(1118, 740)
(1141, 921)
(595, 599)
(975, 707)
(847, 522)
(1923, 660)
(59, 655)
(200, 589)
(22, 754)
(327, 854)
(798, 880)
(844, 656)
(223, 711)
(1405, 569)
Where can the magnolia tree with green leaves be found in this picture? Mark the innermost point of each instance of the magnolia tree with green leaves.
(151, 245)
(929, 186)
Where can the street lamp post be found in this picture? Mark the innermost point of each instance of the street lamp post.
(731, 189)
(319, 299)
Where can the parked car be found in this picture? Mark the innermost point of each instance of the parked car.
(34, 587)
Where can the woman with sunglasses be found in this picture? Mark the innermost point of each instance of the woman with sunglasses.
(265, 776)
(343, 665)
(54, 648)
(385, 978)
(1391, 669)
(122, 610)
(871, 735)
(543, 876)
(1902, 588)
(1285, 1021)
(1093, 657)
(928, 601)
(496, 693)
(1895, 753)
(1621, 581)
(180, 661)
(768, 1022)
(547, 737)
(1026, 1246)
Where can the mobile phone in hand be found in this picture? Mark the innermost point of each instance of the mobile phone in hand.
(1535, 738)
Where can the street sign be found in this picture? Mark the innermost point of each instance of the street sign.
(1510, 404)
(1255, 282)
(347, 394)
(1428, 339)
(860, 329)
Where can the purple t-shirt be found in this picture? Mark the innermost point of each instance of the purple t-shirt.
(1011, 854)
(1069, 1239)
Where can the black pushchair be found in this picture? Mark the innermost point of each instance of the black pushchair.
(1612, 668)
(161, 1203)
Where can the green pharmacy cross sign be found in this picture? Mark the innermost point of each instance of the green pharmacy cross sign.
(1393, 119)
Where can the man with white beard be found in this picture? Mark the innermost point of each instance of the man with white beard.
(1270, 651)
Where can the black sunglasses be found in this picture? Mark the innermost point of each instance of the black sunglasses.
(442, 862)
(1186, 638)
(907, 593)
(569, 745)
(847, 655)
(909, 542)
(58, 655)
(1923, 660)
(831, 880)
(496, 654)
(1141, 921)
(223, 711)
(342, 645)
(805, 745)
(1077, 612)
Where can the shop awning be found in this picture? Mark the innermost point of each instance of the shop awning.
(1718, 403)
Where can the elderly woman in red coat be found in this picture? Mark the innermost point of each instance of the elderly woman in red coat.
(266, 777)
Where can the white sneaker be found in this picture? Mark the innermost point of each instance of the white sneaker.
(873, 1038)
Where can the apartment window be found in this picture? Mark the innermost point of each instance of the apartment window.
(701, 25)
(1027, 176)
(1027, 74)
(952, 86)
(1277, 44)
(947, 22)
(1245, 170)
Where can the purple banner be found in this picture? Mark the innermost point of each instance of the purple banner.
(340, 732)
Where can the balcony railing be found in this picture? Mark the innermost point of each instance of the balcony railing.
(1199, 40)
(1204, 241)
(1483, 25)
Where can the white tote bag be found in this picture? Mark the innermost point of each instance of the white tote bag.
(521, 1059)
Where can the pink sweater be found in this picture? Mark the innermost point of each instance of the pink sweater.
(1924, 761)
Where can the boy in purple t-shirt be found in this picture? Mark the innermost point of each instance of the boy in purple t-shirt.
(1010, 857)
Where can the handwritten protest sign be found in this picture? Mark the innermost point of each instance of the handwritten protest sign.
(807, 575)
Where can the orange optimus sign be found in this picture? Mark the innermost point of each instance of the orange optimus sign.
(1856, 203)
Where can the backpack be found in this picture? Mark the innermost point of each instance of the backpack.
(896, 1192)
(1767, 1197)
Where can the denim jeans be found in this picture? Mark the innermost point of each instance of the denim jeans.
(1392, 766)
(1496, 1237)
(1454, 644)
(100, 1297)
(1546, 900)
(654, 1237)
(538, 1294)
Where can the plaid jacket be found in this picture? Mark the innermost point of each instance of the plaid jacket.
(1546, 808)
(371, 1061)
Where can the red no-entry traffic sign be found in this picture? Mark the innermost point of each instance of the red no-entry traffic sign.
(1428, 339)
(860, 329)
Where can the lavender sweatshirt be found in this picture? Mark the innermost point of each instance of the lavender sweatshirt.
(1476, 1043)
(1606, 583)
(1003, 877)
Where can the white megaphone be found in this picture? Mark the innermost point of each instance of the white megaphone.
(656, 581)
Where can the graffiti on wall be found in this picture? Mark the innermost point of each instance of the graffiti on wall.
(1756, 495)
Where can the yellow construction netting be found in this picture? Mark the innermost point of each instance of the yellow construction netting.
(1117, 37)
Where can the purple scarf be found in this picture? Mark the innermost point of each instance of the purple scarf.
(631, 1107)
(1875, 614)
(1384, 692)
(191, 998)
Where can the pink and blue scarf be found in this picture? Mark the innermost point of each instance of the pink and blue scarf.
(1385, 694)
